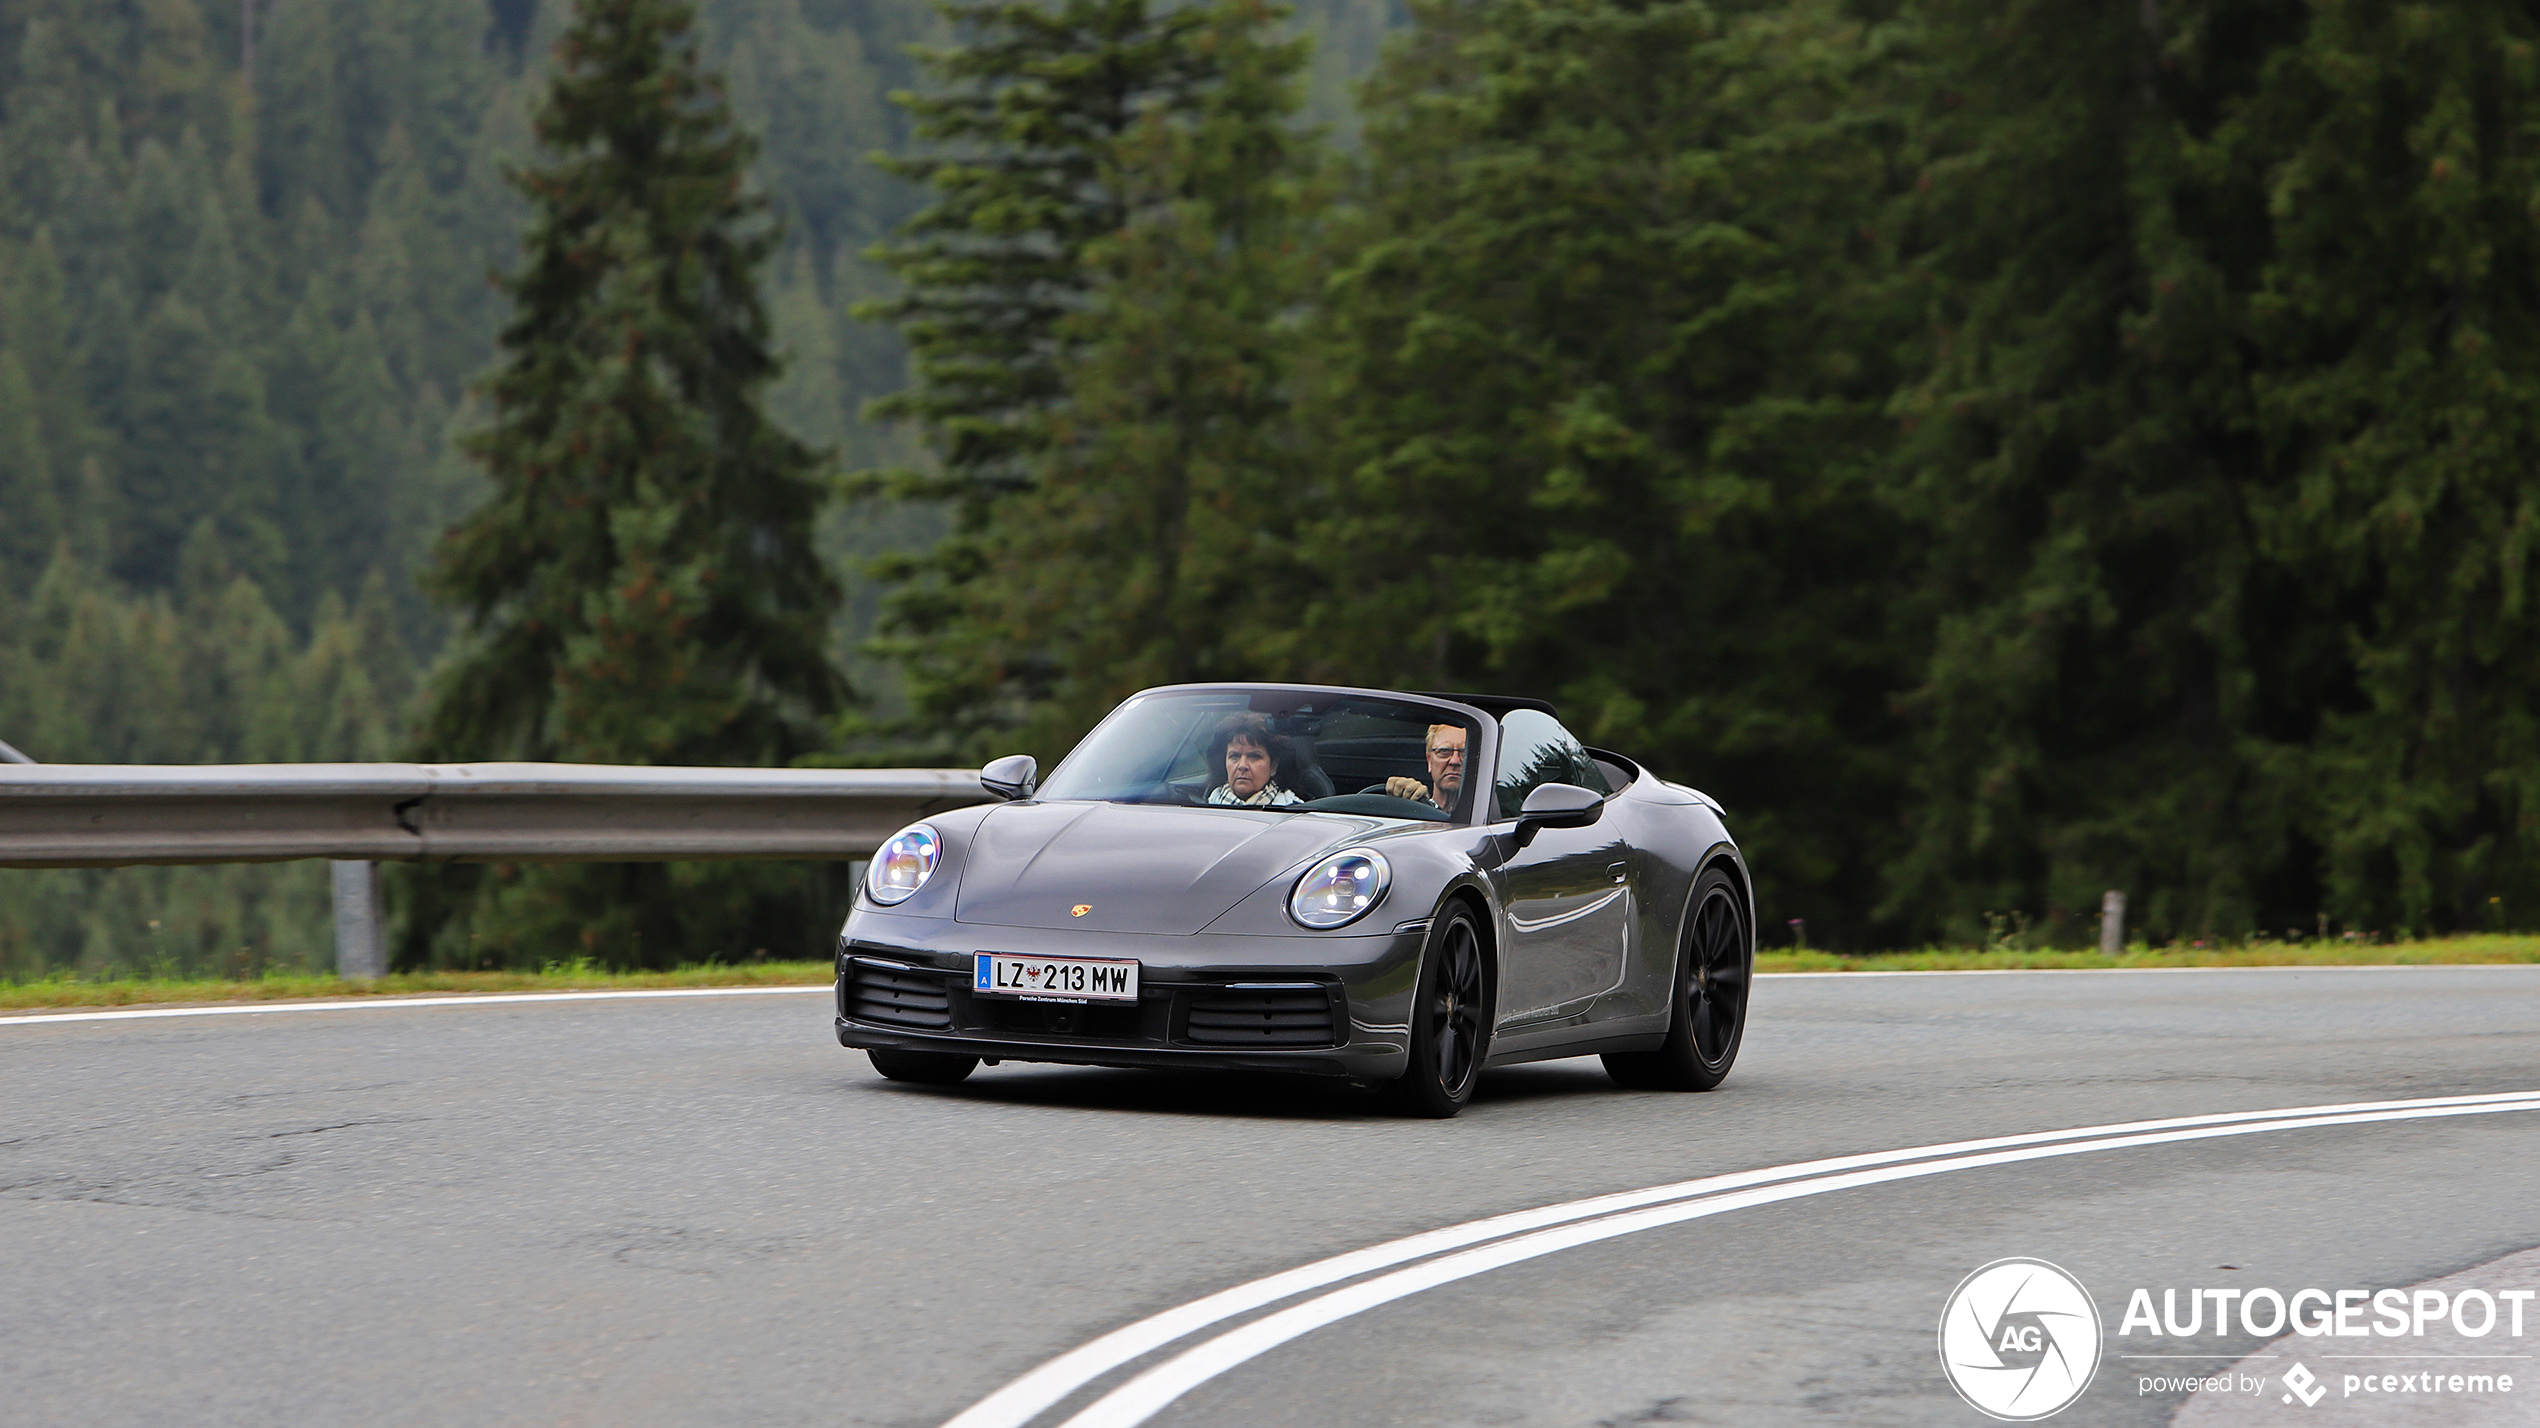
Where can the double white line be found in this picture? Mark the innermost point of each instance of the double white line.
(1461, 1251)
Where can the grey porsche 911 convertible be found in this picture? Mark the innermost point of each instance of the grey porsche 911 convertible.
(1396, 889)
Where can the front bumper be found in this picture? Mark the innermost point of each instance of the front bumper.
(1328, 1005)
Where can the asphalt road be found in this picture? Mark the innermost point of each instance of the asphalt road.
(704, 1211)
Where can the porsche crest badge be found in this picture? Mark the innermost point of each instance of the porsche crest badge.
(1080, 909)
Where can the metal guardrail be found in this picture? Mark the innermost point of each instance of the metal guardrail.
(115, 815)
(119, 815)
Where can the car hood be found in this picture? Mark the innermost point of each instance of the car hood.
(1133, 868)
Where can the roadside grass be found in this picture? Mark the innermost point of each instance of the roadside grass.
(2481, 948)
(64, 993)
(68, 992)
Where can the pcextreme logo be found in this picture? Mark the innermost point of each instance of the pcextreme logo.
(2019, 1339)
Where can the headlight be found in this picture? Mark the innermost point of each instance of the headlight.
(1340, 888)
(902, 866)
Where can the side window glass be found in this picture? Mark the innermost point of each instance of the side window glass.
(1535, 750)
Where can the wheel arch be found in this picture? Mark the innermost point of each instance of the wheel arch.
(1485, 917)
(1722, 855)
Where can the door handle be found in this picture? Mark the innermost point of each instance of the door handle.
(1618, 873)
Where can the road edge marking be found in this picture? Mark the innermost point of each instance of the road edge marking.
(1157, 1388)
(1036, 1390)
(471, 999)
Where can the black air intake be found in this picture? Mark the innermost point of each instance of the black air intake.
(886, 995)
(1262, 1016)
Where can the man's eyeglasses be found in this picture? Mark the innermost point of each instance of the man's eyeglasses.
(1446, 751)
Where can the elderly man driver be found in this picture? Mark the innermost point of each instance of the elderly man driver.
(1445, 787)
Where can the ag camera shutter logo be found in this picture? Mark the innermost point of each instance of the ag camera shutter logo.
(2019, 1340)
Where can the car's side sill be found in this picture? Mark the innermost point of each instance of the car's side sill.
(1556, 1051)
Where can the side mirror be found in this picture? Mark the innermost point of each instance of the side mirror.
(1560, 805)
(1014, 776)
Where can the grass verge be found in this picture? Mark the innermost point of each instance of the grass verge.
(69, 992)
(64, 993)
(2491, 950)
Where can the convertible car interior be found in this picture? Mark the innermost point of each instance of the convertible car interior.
(1337, 754)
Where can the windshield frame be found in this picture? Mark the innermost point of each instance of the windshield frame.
(1482, 737)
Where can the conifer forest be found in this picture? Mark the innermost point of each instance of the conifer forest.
(2002, 451)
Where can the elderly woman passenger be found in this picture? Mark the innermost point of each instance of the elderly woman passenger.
(1252, 758)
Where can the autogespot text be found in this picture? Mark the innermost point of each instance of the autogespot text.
(2327, 1316)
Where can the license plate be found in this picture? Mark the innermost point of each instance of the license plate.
(1055, 979)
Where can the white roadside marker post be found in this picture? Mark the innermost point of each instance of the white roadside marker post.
(2111, 923)
(358, 955)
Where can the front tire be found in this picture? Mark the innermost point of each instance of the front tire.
(1712, 977)
(1450, 1019)
(925, 1068)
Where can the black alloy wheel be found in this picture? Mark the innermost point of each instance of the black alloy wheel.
(1710, 1000)
(925, 1068)
(1450, 1019)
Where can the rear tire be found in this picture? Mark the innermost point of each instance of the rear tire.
(1450, 1019)
(926, 1068)
(1712, 976)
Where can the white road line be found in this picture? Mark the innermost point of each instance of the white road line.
(1026, 1397)
(476, 999)
(1149, 1393)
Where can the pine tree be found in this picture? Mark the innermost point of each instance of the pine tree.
(2073, 452)
(2396, 336)
(1596, 406)
(2222, 453)
(28, 492)
(55, 435)
(305, 152)
(43, 423)
(640, 586)
(322, 222)
(1024, 167)
(646, 544)
(196, 444)
(1026, 160)
(1160, 538)
(1147, 545)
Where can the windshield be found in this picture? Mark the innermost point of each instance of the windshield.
(1274, 751)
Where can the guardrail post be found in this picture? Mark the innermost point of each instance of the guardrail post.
(358, 955)
(2111, 923)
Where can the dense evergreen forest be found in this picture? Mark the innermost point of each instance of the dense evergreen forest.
(2003, 450)
(244, 260)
